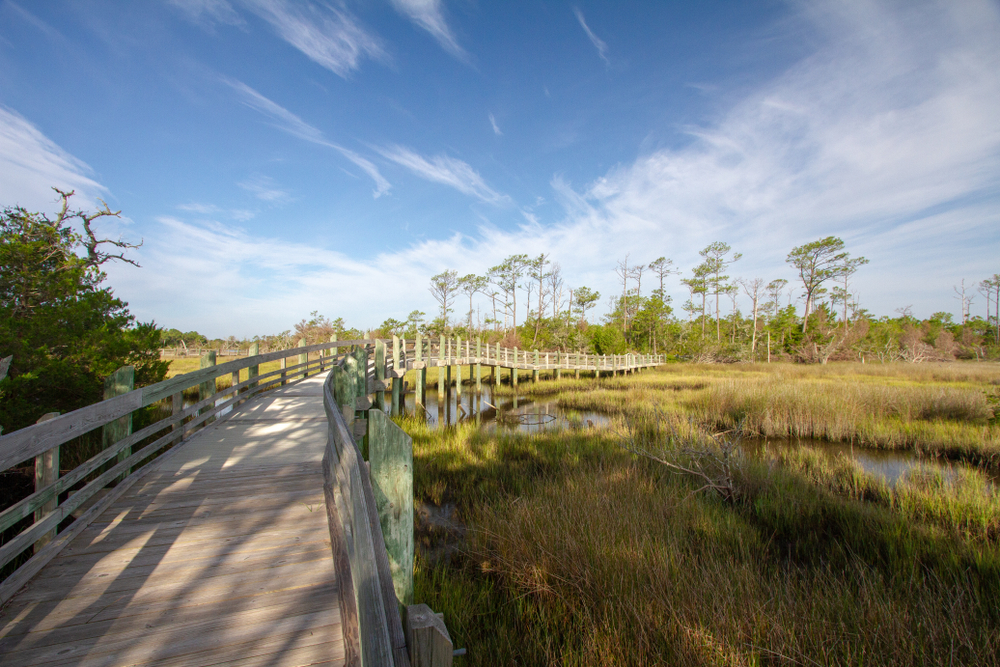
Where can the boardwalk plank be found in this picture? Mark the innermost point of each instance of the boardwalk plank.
(221, 558)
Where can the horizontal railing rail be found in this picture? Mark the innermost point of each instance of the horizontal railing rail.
(47, 436)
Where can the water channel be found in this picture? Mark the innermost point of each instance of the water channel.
(528, 415)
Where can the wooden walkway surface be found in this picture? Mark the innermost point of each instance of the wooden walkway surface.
(219, 556)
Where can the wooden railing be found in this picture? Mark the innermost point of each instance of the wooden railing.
(371, 487)
(94, 480)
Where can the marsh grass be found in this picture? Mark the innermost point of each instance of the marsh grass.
(942, 410)
(579, 553)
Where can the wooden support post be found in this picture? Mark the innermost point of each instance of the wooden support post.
(391, 457)
(380, 374)
(496, 367)
(122, 381)
(534, 370)
(46, 473)
(176, 406)
(284, 365)
(441, 363)
(397, 381)
(427, 356)
(419, 381)
(458, 366)
(427, 638)
(207, 388)
(479, 366)
(303, 357)
(513, 371)
(333, 350)
(253, 371)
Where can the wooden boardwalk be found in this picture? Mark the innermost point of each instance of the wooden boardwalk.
(219, 556)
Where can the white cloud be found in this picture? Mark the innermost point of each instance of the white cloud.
(429, 15)
(289, 122)
(496, 128)
(328, 36)
(885, 135)
(602, 48)
(31, 164)
(208, 12)
(265, 189)
(446, 170)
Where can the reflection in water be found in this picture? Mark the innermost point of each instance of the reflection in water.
(515, 412)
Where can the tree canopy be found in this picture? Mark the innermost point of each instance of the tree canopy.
(65, 331)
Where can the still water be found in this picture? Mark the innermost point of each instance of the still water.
(517, 412)
(535, 416)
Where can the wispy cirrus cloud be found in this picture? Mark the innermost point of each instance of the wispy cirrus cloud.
(208, 12)
(602, 48)
(31, 164)
(429, 15)
(265, 189)
(496, 128)
(445, 170)
(327, 34)
(287, 121)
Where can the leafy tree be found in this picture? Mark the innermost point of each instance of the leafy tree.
(585, 299)
(816, 263)
(715, 263)
(507, 276)
(443, 288)
(471, 284)
(66, 333)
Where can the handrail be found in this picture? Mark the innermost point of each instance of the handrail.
(360, 525)
(32, 441)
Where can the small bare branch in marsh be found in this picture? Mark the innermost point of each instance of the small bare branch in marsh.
(684, 448)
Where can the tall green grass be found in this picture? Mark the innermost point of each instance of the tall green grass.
(578, 553)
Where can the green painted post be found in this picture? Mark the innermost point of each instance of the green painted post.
(391, 464)
(397, 364)
(513, 377)
(380, 374)
(419, 381)
(122, 381)
(253, 371)
(479, 366)
(441, 369)
(207, 388)
(534, 372)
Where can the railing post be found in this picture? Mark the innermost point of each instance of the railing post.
(534, 371)
(479, 366)
(122, 381)
(303, 357)
(207, 388)
(176, 406)
(427, 638)
(380, 374)
(397, 367)
(391, 460)
(496, 368)
(513, 377)
(253, 371)
(419, 381)
(46, 473)
(441, 370)
(458, 367)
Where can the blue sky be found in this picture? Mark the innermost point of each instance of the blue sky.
(281, 157)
